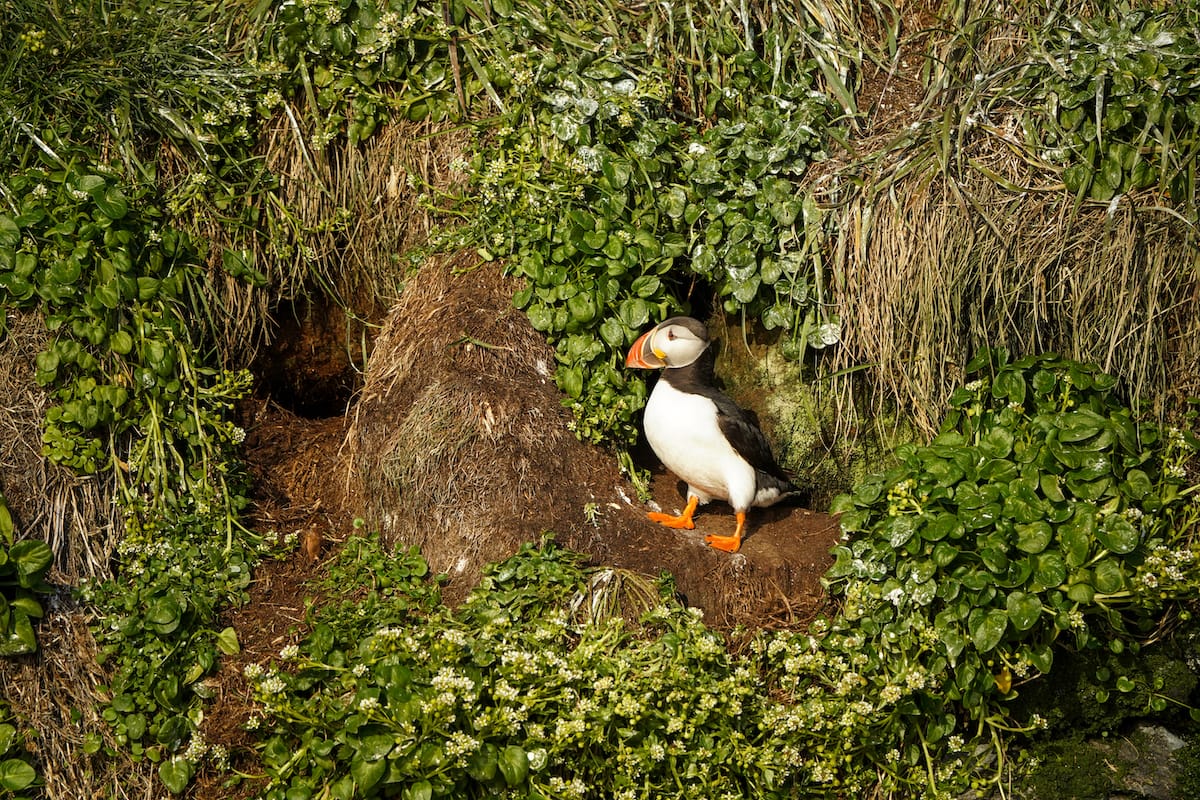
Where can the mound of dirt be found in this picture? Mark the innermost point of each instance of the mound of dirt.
(458, 443)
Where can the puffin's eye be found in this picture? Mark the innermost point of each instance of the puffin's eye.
(670, 334)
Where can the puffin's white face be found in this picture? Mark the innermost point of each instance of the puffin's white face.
(676, 342)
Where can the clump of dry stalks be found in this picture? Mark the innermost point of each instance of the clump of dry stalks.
(939, 266)
(947, 233)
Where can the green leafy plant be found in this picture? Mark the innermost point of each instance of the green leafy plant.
(23, 568)
(1120, 95)
(159, 637)
(1043, 515)
(126, 367)
(512, 692)
(347, 54)
(611, 178)
(116, 284)
(607, 204)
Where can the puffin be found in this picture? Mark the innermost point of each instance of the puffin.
(700, 434)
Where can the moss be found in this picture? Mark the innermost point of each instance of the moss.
(1070, 769)
(1073, 696)
(1187, 776)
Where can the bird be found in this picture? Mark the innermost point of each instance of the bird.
(700, 434)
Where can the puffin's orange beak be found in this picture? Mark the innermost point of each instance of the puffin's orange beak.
(642, 353)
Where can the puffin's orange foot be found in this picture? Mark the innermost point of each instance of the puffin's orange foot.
(729, 544)
(682, 522)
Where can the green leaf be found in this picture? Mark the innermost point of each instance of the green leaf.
(998, 443)
(1023, 610)
(6, 525)
(943, 471)
(121, 343)
(164, 614)
(342, 788)
(1042, 658)
(1081, 590)
(298, 792)
(1033, 537)
(175, 774)
(1050, 569)
(1109, 578)
(987, 628)
(367, 774)
(944, 554)
(674, 203)
(20, 638)
(1009, 385)
(900, 530)
(582, 308)
(612, 332)
(995, 559)
(953, 640)
(594, 240)
(1137, 484)
(634, 312)
(16, 775)
(570, 380)
(514, 765)
(617, 172)
(1076, 535)
(111, 202)
(484, 762)
(1118, 534)
(421, 790)
(646, 286)
(135, 726)
(32, 559)
(227, 642)
(10, 234)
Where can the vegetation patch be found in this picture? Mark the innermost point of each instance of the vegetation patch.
(1042, 515)
(630, 163)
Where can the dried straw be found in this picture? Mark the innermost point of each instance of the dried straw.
(59, 693)
(947, 261)
(74, 514)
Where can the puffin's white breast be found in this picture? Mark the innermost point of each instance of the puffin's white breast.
(683, 430)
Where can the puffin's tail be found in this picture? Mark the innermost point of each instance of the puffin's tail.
(774, 490)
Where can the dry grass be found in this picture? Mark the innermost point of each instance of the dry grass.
(74, 514)
(342, 223)
(59, 692)
(936, 263)
(56, 691)
(447, 441)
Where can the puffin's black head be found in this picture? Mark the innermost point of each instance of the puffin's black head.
(674, 342)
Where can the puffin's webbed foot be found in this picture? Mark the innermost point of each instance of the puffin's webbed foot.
(729, 544)
(682, 522)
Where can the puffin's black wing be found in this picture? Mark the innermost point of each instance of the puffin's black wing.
(745, 436)
(734, 421)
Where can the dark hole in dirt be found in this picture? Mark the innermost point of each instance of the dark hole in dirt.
(313, 366)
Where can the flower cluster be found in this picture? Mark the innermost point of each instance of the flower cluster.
(555, 703)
